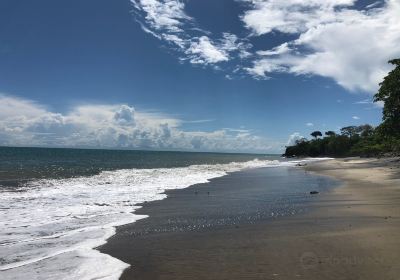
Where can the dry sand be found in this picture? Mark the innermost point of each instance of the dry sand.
(363, 220)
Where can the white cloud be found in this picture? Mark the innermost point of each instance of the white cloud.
(26, 123)
(309, 124)
(293, 138)
(290, 16)
(168, 21)
(13, 107)
(281, 49)
(332, 38)
(199, 121)
(350, 46)
(364, 101)
(378, 104)
(204, 52)
(160, 15)
(355, 117)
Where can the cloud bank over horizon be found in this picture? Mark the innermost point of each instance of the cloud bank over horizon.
(332, 38)
(23, 122)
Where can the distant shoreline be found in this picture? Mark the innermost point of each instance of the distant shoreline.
(351, 233)
(140, 150)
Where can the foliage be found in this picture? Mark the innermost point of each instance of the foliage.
(330, 133)
(349, 131)
(315, 134)
(363, 140)
(389, 94)
(354, 140)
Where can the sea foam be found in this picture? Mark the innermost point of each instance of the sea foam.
(50, 227)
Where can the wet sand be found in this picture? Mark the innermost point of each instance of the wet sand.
(226, 230)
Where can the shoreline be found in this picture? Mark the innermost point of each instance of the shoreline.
(351, 233)
(100, 210)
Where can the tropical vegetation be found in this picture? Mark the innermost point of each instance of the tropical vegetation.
(363, 140)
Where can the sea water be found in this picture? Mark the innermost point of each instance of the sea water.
(58, 205)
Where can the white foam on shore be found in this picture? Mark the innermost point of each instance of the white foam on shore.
(49, 230)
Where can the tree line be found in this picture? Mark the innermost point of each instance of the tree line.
(363, 140)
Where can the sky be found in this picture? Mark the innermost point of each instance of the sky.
(224, 76)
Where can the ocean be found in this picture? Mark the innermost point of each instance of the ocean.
(58, 205)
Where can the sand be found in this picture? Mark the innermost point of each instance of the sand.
(349, 232)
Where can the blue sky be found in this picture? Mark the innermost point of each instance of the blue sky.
(190, 75)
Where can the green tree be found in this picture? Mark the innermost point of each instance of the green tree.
(330, 133)
(366, 130)
(315, 134)
(349, 131)
(389, 94)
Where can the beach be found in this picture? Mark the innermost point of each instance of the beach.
(200, 140)
(350, 231)
(58, 205)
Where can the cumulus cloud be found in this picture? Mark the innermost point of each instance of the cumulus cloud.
(309, 124)
(334, 40)
(296, 136)
(355, 117)
(291, 16)
(26, 123)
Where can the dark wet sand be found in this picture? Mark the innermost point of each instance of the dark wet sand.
(350, 232)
